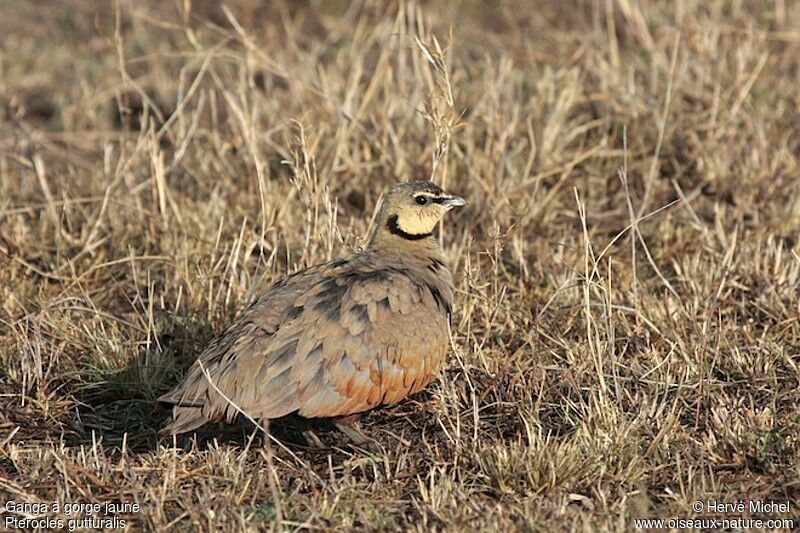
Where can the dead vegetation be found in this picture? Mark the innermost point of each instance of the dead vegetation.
(627, 321)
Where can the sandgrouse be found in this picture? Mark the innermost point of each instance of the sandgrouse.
(338, 338)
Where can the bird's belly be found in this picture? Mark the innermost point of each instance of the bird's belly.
(397, 365)
(389, 382)
(407, 371)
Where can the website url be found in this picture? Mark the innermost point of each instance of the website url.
(713, 523)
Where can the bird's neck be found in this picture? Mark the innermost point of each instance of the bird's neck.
(393, 240)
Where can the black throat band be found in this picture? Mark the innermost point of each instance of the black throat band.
(394, 229)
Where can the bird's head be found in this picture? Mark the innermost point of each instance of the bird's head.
(412, 209)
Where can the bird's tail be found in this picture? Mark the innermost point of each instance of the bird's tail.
(184, 419)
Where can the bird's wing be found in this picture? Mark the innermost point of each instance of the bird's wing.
(384, 340)
(346, 341)
(195, 400)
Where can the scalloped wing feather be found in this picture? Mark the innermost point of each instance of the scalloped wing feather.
(337, 339)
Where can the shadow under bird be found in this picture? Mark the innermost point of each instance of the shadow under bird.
(339, 338)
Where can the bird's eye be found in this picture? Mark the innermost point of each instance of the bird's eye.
(421, 200)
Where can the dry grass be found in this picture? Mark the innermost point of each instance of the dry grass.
(627, 321)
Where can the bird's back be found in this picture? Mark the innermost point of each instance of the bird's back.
(335, 339)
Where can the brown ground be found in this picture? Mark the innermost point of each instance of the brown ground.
(627, 322)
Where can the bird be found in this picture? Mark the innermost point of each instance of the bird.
(336, 339)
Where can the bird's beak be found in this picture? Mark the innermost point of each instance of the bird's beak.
(454, 201)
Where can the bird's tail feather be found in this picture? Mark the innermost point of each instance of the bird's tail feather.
(184, 419)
